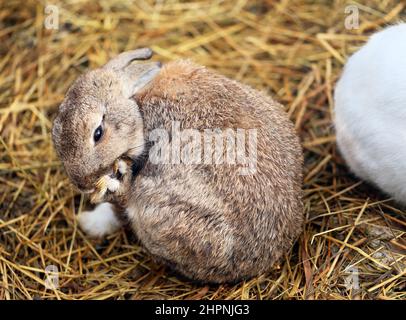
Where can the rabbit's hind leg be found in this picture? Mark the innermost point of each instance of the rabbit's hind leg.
(99, 222)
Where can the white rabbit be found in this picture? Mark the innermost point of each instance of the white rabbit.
(370, 112)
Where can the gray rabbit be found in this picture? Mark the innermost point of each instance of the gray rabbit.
(209, 221)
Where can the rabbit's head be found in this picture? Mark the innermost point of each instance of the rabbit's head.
(99, 121)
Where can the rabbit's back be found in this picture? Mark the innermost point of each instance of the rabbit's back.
(370, 111)
(210, 221)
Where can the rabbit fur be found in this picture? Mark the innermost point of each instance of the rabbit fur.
(207, 222)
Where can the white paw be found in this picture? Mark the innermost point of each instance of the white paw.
(100, 221)
(122, 167)
(112, 184)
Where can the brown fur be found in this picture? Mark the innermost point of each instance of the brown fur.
(211, 223)
(206, 221)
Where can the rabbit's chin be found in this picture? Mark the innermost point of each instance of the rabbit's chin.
(99, 222)
(90, 191)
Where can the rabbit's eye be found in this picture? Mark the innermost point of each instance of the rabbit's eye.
(98, 133)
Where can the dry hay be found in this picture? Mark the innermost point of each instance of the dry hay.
(295, 50)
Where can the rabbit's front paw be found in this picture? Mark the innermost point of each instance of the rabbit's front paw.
(112, 184)
(122, 167)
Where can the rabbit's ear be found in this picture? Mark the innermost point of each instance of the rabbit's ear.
(138, 75)
(124, 59)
